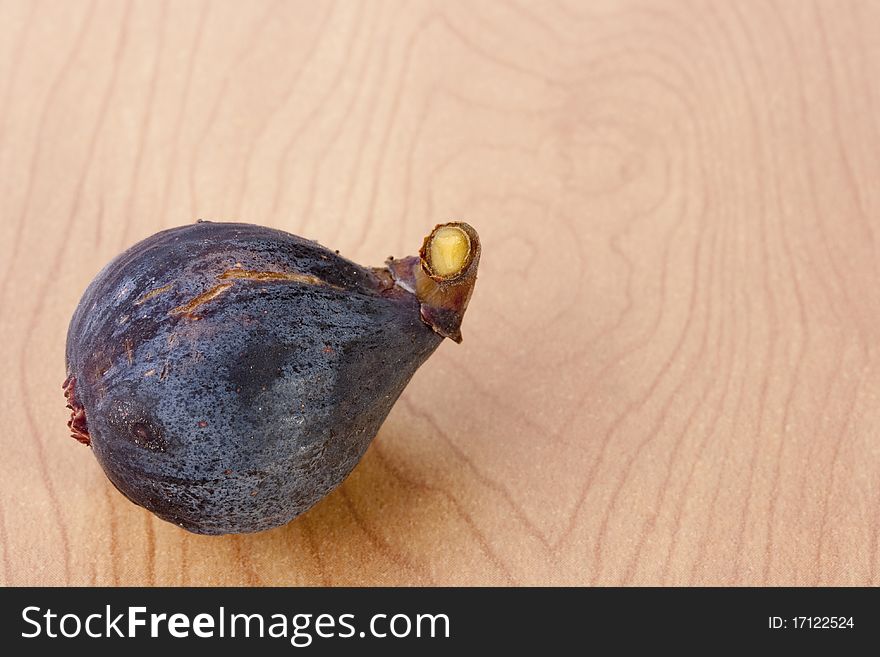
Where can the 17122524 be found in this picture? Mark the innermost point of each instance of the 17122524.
(811, 622)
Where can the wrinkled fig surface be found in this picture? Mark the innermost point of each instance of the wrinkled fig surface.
(228, 376)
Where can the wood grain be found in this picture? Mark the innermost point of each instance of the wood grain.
(670, 372)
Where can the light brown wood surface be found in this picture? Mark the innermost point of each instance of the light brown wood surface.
(670, 371)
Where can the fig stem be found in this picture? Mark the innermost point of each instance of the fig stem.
(442, 276)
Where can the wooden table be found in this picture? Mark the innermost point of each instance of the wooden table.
(670, 372)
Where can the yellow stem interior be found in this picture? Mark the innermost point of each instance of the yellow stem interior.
(450, 247)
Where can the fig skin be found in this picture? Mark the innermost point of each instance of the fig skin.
(228, 376)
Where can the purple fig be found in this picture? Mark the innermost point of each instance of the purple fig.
(229, 376)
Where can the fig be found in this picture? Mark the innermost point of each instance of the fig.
(228, 376)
